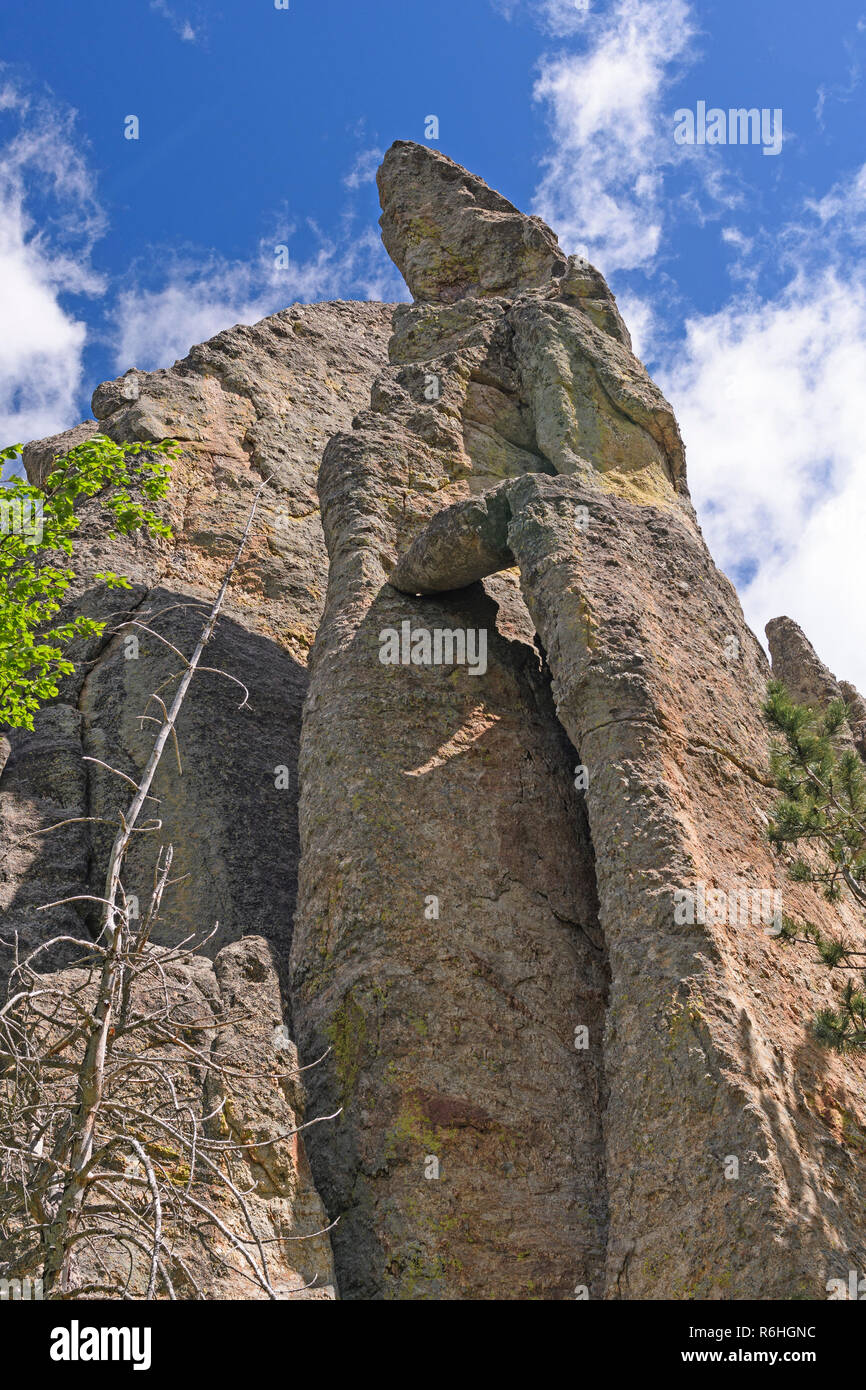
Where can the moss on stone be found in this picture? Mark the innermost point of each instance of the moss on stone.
(347, 1033)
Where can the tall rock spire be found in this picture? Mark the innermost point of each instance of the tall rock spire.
(589, 1081)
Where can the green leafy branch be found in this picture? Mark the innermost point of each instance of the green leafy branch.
(37, 530)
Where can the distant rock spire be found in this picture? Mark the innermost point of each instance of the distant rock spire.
(809, 681)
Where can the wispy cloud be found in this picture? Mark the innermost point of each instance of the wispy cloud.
(769, 394)
(363, 170)
(843, 91)
(200, 295)
(564, 16)
(558, 17)
(179, 23)
(842, 211)
(49, 221)
(603, 182)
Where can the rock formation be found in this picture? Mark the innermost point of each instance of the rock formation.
(515, 422)
(532, 930)
(796, 662)
(252, 403)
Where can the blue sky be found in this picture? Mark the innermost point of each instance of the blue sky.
(740, 273)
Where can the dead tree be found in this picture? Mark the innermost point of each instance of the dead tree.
(112, 1171)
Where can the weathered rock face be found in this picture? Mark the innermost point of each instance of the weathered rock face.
(451, 236)
(446, 945)
(230, 1011)
(796, 662)
(856, 715)
(705, 1056)
(253, 403)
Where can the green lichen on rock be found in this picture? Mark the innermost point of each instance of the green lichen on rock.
(347, 1033)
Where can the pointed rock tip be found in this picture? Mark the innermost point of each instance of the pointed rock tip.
(797, 664)
(809, 681)
(451, 236)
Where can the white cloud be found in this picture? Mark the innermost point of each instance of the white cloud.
(564, 16)
(640, 319)
(181, 26)
(769, 395)
(732, 236)
(556, 16)
(364, 168)
(842, 92)
(843, 209)
(153, 328)
(49, 220)
(602, 188)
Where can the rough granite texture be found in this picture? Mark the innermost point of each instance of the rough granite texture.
(256, 1097)
(250, 404)
(472, 241)
(706, 1053)
(545, 1074)
(254, 402)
